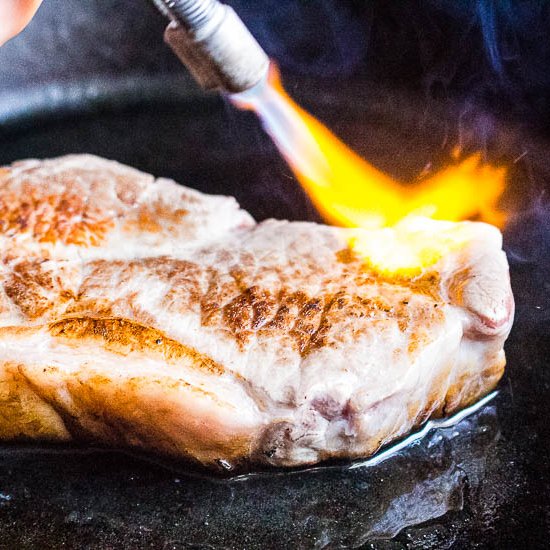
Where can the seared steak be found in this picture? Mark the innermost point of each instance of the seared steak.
(138, 313)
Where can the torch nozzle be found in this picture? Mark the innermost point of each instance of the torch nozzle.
(188, 13)
(214, 44)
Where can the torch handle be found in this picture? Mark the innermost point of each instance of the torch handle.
(214, 44)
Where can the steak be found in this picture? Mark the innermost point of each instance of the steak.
(137, 313)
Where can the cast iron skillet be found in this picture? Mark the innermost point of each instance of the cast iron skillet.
(483, 483)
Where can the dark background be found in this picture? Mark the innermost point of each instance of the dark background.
(402, 82)
(495, 52)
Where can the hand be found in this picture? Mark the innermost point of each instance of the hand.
(14, 16)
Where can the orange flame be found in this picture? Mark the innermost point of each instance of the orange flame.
(349, 191)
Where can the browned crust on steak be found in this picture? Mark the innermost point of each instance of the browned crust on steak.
(244, 312)
(71, 205)
(44, 291)
(123, 337)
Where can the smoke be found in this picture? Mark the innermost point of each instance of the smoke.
(488, 20)
(527, 243)
(493, 52)
(528, 235)
(323, 38)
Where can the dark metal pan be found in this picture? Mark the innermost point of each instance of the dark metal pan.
(482, 484)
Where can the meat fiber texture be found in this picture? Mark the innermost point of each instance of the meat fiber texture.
(138, 313)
